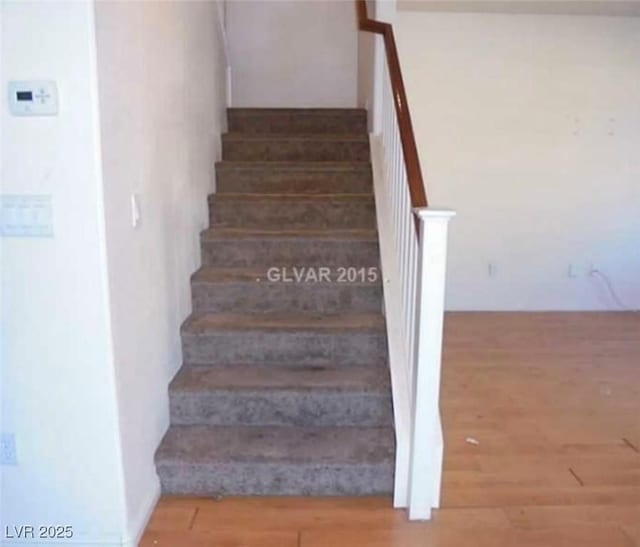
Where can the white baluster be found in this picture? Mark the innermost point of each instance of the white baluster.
(412, 267)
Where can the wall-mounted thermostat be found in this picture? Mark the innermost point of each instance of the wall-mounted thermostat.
(33, 98)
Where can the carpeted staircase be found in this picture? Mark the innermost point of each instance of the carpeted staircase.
(285, 384)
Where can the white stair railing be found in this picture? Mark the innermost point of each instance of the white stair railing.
(413, 245)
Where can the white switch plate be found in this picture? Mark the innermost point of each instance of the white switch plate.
(26, 216)
(33, 98)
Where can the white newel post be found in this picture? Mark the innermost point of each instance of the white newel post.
(425, 472)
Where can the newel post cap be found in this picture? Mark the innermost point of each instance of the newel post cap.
(432, 213)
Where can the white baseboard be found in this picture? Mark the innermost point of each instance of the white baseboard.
(139, 523)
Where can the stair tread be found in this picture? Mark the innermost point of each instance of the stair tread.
(302, 110)
(204, 322)
(218, 233)
(325, 137)
(296, 165)
(203, 444)
(364, 378)
(212, 274)
(256, 196)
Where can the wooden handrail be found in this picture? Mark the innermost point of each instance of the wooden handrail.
(407, 138)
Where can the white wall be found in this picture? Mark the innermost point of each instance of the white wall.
(161, 73)
(293, 53)
(529, 126)
(57, 384)
(367, 66)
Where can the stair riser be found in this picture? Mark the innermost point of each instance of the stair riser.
(274, 181)
(302, 348)
(286, 297)
(279, 252)
(281, 408)
(258, 479)
(298, 122)
(338, 214)
(295, 150)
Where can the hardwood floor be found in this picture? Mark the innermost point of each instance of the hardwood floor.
(553, 401)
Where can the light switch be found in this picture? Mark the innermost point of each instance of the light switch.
(26, 216)
(33, 98)
(135, 210)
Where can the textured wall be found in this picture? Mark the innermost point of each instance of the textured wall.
(293, 53)
(161, 72)
(529, 126)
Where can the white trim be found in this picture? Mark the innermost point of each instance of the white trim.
(425, 471)
(429, 213)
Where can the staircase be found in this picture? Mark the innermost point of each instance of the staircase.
(285, 385)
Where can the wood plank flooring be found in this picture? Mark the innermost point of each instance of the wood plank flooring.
(553, 401)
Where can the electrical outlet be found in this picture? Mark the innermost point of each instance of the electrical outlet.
(492, 270)
(580, 269)
(8, 454)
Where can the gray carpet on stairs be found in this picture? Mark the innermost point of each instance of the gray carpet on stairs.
(285, 385)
